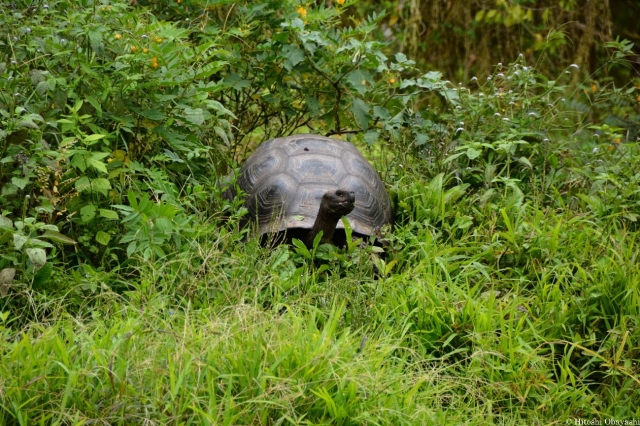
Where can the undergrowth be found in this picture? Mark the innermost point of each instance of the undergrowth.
(508, 292)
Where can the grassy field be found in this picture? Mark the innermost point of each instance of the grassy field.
(528, 315)
(509, 291)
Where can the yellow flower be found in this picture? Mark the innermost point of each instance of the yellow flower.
(157, 39)
(638, 99)
(154, 62)
(618, 140)
(340, 2)
(392, 80)
(302, 11)
(134, 49)
(594, 88)
(145, 50)
(118, 36)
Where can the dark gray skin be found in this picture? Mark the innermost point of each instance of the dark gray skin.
(333, 206)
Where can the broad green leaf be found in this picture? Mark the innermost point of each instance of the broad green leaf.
(103, 238)
(19, 240)
(6, 222)
(473, 153)
(37, 256)
(88, 212)
(360, 80)
(109, 214)
(20, 182)
(82, 184)
(100, 185)
(98, 165)
(361, 113)
(293, 54)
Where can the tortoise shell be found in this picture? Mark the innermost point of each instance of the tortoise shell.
(285, 179)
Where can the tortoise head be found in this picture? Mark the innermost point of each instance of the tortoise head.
(337, 203)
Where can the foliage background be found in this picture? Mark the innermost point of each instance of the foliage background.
(507, 135)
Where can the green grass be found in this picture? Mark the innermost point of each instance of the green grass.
(509, 293)
(529, 316)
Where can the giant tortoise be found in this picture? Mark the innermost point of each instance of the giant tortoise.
(299, 185)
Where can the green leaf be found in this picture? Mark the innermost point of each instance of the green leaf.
(92, 138)
(28, 124)
(6, 222)
(57, 237)
(109, 214)
(153, 114)
(381, 112)
(360, 80)
(100, 185)
(94, 103)
(301, 249)
(19, 240)
(526, 162)
(194, 115)
(371, 137)
(361, 113)
(20, 182)
(88, 212)
(37, 256)
(103, 238)
(293, 54)
(82, 184)
(473, 153)
(96, 164)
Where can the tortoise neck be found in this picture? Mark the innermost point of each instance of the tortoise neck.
(326, 221)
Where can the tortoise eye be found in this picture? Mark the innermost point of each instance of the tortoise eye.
(339, 193)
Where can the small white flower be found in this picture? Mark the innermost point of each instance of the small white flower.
(459, 129)
(497, 114)
(574, 66)
(595, 150)
(505, 119)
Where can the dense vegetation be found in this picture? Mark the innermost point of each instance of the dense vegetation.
(510, 288)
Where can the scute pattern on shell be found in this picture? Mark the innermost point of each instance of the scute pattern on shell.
(285, 179)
